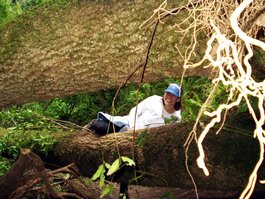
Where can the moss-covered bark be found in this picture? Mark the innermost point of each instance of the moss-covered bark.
(230, 157)
(82, 47)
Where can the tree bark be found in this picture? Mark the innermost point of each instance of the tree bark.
(82, 47)
(230, 157)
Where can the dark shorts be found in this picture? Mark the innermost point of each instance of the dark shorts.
(103, 126)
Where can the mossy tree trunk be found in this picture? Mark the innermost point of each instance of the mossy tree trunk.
(82, 47)
(230, 157)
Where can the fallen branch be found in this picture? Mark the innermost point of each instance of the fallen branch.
(29, 171)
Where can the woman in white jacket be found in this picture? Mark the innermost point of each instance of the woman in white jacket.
(153, 111)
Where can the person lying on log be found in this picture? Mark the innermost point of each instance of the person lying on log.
(153, 111)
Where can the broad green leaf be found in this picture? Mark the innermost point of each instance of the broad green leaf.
(128, 161)
(107, 191)
(101, 169)
(114, 167)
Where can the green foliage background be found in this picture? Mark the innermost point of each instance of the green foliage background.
(80, 109)
(11, 9)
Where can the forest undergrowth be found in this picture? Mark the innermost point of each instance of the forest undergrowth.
(35, 125)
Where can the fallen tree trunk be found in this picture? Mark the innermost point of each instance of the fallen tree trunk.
(160, 157)
(20, 181)
(37, 64)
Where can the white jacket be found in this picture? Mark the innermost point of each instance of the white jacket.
(148, 113)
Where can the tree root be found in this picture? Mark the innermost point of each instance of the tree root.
(29, 172)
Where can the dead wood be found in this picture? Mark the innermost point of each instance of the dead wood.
(160, 165)
(92, 190)
(25, 81)
(160, 157)
(29, 171)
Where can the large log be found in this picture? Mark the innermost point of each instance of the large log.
(82, 47)
(230, 157)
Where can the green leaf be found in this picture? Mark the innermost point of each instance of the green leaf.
(101, 180)
(66, 176)
(107, 191)
(107, 165)
(128, 161)
(196, 103)
(114, 167)
(123, 195)
(101, 169)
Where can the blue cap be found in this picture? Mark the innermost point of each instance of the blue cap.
(174, 89)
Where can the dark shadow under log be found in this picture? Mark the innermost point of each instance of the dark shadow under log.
(230, 157)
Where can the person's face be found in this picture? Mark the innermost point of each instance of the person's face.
(170, 99)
